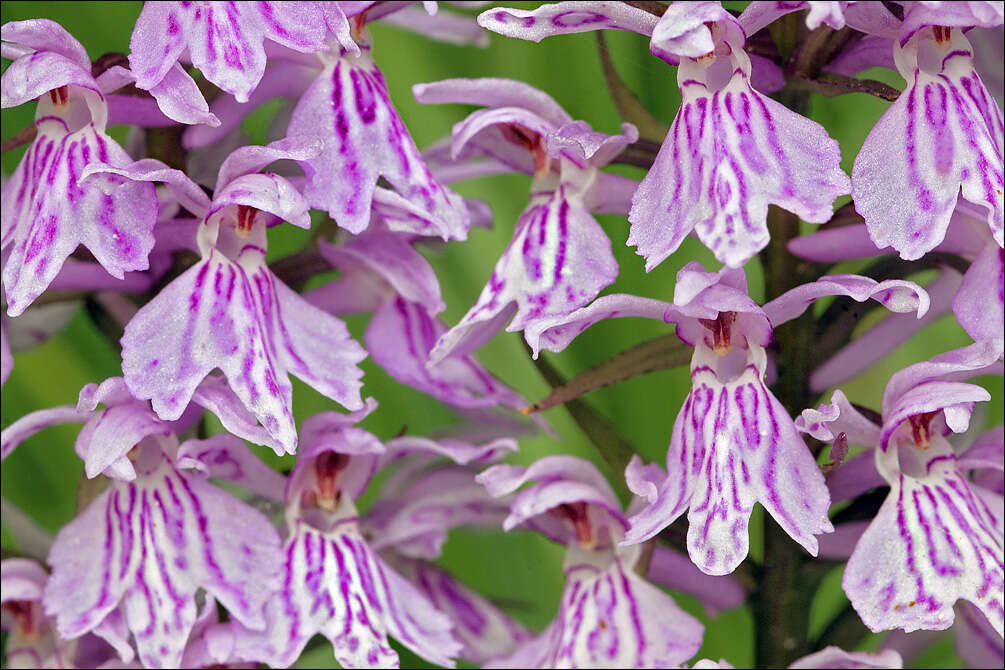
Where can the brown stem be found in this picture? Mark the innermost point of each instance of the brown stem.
(654, 8)
(830, 85)
(20, 138)
(297, 268)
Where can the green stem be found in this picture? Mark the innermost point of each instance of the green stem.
(782, 601)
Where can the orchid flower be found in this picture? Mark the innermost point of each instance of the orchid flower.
(939, 535)
(49, 206)
(560, 257)
(333, 582)
(383, 273)
(238, 316)
(946, 132)
(609, 616)
(733, 443)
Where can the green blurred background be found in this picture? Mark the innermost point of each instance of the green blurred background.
(520, 569)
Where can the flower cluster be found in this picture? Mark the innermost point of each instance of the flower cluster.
(188, 550)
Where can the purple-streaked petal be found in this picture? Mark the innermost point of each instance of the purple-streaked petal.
(676, 571)
(29, 424)
(214, 394)
(48, 210)
(156, 541)
(179, 97)
(349, 107)
(932, 542)
(239, 318)
(250, 159)
(894, 294)
(979, 304)
(955, 399)
(685, 31)
(943, 133)
(556, 334)
(558, 260)
(158, 39)
(480, 133)
(610, 617)
(733, 444)
(226, 457)
(111, 433)
(401, 336)
(224, 41)
(560, 480)
(332, 422)
(835, 657)
(966, 15)
(731, 152)
(484, 629)
(266, 193)
(336, 585)
(563, 18)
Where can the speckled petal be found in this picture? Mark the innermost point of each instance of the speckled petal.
(48, 210)
(156, 541)
(610, 617)
(933, 542)
(240, 318)
(945, 132)
(733, 445)
(349, 107)
(334, 584)
(731, 152)
(558, 260)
